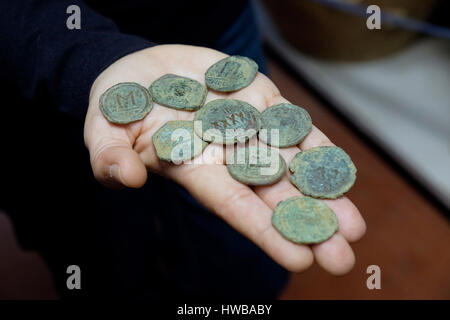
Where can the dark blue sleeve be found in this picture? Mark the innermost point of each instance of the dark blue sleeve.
(38, 51)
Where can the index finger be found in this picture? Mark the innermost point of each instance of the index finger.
(241, 208)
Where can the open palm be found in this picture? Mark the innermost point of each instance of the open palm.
(122, 154)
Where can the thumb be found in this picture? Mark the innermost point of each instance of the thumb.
(116, 164)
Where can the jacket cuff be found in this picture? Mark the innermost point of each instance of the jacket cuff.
(85, 64)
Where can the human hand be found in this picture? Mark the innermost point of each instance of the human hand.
(122, 154)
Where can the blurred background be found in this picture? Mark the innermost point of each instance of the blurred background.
(383, 95)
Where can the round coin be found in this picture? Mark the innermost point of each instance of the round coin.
(304, 220)
(323, 172)
(231, 74)
(226, 121)
(125, 102)
(176, 142)
(178, 92)
(284, 125)
(256, 166)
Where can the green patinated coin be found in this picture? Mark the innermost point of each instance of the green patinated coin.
(304, 220)
(227, 121)
(323, 172)
(231, 74)
(178, 92)
(256, 166)
(125, 102)
(176, 142)
(284, 125)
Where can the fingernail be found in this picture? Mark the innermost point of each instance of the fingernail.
(114, 173)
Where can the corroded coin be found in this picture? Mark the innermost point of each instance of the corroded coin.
(178, 92)
(176, 142)
(323, 172)
(256, 166)
(125, 102)
(231, 74)
(304, 220)
(284, 125)
(227, 121)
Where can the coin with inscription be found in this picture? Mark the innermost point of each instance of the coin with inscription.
(284, 125)
(226, 121)
(125, 102)
(178, 92)
(176, 142)
(323, 172)
(256, 166)
(304, 220)
(231, 74)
